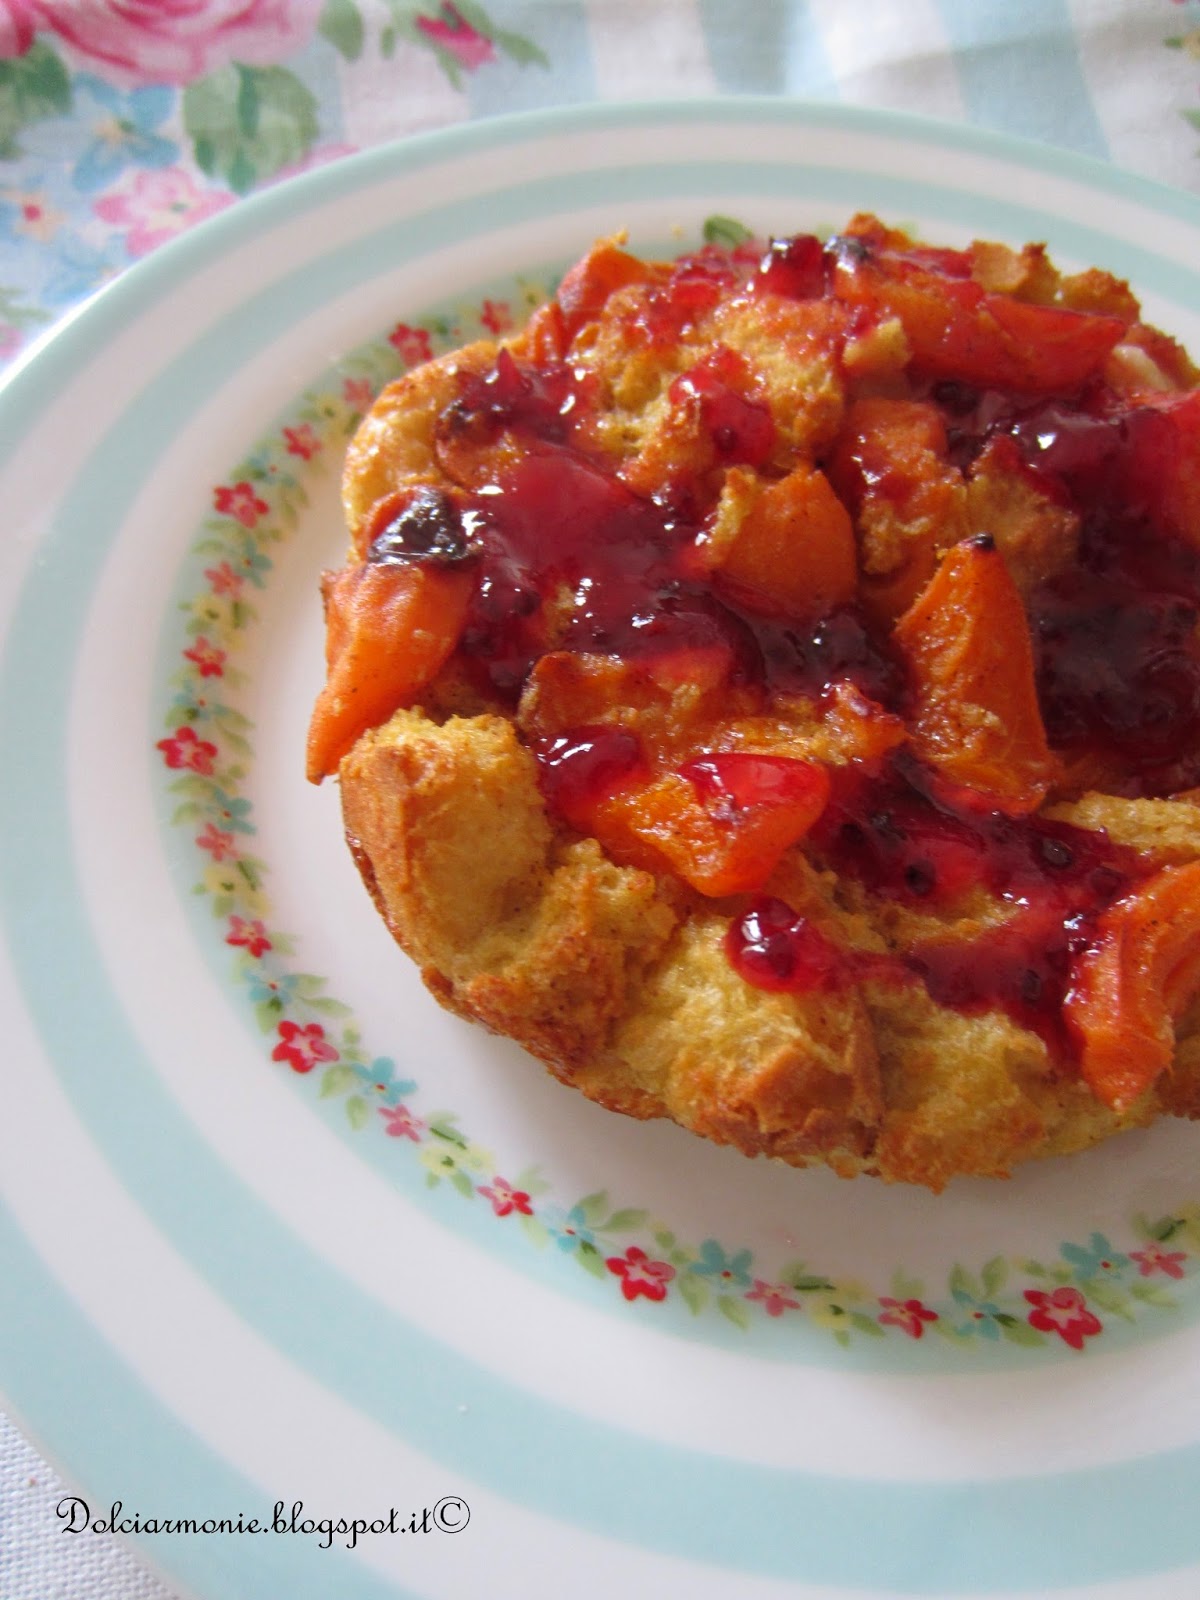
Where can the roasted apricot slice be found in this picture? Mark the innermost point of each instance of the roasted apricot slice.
(1134, 984)
(976, 716)
(721, 822)
(909, 502)
(957, 330)
(787, 550)
(389, 630)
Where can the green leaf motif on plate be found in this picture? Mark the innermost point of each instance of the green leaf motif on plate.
(979, 1305)
(726, 232)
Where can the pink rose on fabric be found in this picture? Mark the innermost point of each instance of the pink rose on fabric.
(17, 24)
(450, 29)
(158, 205)
(172, 41)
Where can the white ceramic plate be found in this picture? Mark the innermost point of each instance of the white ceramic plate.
(274, 1228)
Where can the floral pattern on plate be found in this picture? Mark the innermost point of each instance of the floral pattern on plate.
(206, 751)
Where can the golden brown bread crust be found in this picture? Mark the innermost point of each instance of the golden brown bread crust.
(618, 977)
(618, 981)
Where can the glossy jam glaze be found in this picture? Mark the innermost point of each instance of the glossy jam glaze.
(1116, 638)
(571, 558)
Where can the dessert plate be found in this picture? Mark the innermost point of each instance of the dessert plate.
(276, 1230)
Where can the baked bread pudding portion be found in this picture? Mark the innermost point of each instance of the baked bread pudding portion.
(768, 689)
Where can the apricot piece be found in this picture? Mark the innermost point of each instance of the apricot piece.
(787, 549)
(721, 822)
(967, 647)
(957, 330)
(586, 289)
(909, 502)
(389, 630)
(1134, 983)
(544, 337)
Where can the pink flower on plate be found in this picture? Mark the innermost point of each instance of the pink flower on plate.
(302, 441)
(156, 205)
(187, 751)
(173, 41)
(223, 580)
(411, 344)
(908, 1315)
(240, 502)
(451, 30)
(505, 1199)
(400, 1123)
(1063, 1311)
(218, 844)
(775, 1298)
(17, 25)
(302, 1047)
(358, 392)
(1155, 1259)
(640, 1274)
(249, 936)
(10, 340)
(207, 659)
(496, 316)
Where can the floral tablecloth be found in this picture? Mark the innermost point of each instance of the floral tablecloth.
(123, 122)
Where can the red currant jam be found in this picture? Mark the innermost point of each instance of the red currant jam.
(1115, 639)
(910, 837)
(741, 430)
(570, 558)
(796, 268)
(774, 948)
(731, 784)
(580, 768)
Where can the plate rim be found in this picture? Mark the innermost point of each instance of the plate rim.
(112, 308)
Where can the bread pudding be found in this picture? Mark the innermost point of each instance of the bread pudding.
(768, 688)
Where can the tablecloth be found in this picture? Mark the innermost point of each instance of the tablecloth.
(124, 122)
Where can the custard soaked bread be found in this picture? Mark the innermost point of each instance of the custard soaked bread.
(768, 688)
